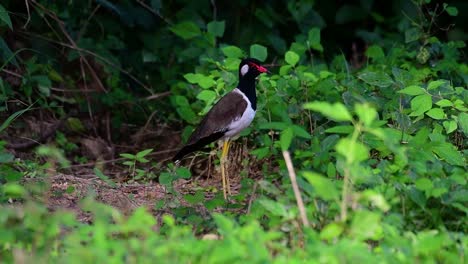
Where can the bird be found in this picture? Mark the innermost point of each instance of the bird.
(228, 117)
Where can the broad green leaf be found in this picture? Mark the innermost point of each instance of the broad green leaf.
(421, 104)
(286, 137)
(435, 84)
(206, 82)
(444, 103)
(258, 52)
(379, 79)
(216, 28)
(232, 52)
(5, 17)
(331, 231)
(423, 184)
(450, 126)
(353, 151)
(291, 58)
(336, 111)
(313, 38)
(6, 157)
(449, 153)
(436, 113)
(412, 34)
(274, 125)
(452, 10)
(207, 96)
(301, 132)
(323, 186)
(166, 179)
(413, 90)
(341, 129)
(276, 208)
(366, 225)
(366, 113)
(462, 121)
(375, 52)
(192, 78)
(186, 30)
(183, 173)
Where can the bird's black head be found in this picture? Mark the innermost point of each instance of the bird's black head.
(250, 68)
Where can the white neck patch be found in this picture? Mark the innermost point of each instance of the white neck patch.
(244, 69)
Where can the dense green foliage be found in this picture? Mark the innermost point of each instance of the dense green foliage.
(369, 99)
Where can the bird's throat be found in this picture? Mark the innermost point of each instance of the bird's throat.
(247, 86)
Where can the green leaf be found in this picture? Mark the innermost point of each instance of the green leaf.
(375, 52)
(413, 90)
(331, 231)
(449, 153)
(435, 84)
(216, 28)
(274, 207)
(291, 58)
(301, 132)
(412, 34)
(444, 103)
(232, 52)
(12, 117)
(143, 153)
(462, 120)
(5, 17)
(183, 173)
(186, 30)
(366, 113)
(421, 104)
(104, 178)
(207, 96)
(336, 111)
(323, 186)
(166, 179)
(379, 79)
(274, 125)
(206, 82)
(314, 39)
(366, 225)
(341, 129)
(258, 52)
(353, 151)
(286, 138)
(127, 156)
(192, 78)
(436, 113)
(423, 184)
(452, 10)
(450, 126)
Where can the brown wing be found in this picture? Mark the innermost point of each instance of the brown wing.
(215, 123)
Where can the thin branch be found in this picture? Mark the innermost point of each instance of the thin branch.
(97, 56)
(29, 14)
(12, 73)
(157, 96)
(154, 12)
(297, 193)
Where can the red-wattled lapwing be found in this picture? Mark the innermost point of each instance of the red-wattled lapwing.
(228, 117)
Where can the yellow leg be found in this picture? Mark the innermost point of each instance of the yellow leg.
(225, 178)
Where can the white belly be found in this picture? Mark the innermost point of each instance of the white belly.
(244, 121)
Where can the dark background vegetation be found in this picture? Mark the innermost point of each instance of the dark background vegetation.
(369, 97)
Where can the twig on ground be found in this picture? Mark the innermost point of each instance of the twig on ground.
(297, 193)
